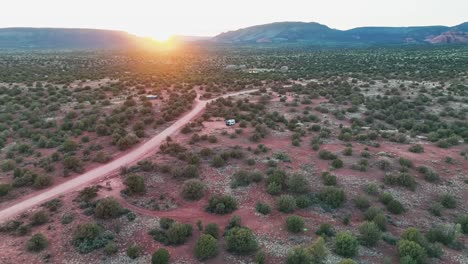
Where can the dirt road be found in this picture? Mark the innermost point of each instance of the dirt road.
(131, 157)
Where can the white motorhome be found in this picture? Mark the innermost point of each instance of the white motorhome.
(230, 122)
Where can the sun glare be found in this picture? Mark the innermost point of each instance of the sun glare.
(161, 37)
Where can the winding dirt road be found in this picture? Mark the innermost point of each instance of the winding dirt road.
(95, 174)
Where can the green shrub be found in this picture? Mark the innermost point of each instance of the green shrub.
(39, 218)
(347, 261)
(362, 202)
(448, 200)
(325, 229)
(418, 148)
(371, 189)
(295, 224)
(286, 204)
(411, 249)
(348, 151)
(370, 234)
(326, 155)
(5, 189)
(328, 178)
(241, 240)
(381, 221)
(212, 229)
(337, 163)
(165, 222)
(111, 248)
(395, 207)
(304, 201)
(206, 247)
(372, 212)
(297, 183)
(135, 184)
(463, 221)
(37, 243)
(67, 218)
(260, 258)
(193, 190)
(179, 233)
(88, 193)
(217, 161)
(263, 208)
(445, 234)
(134, 251)
(346, 245)
(429, 174)
(316, 253)
(436, 209)
(405, 162)
(401, 179)
(43, 181)
(108, 208)
(160, 256)
(90, 236)
(332, 196)
(221, 204)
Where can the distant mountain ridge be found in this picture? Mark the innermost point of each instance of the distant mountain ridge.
(286, 32)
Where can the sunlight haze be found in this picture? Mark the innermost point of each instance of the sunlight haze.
(161, 19)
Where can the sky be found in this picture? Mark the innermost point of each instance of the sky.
(160, 19)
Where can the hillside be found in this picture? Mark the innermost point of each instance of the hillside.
(286, 32)
(62, 38)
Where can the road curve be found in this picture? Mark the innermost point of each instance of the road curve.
(131, 157)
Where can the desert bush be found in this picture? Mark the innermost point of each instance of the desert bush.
(362, 202)
(178, 233)
(412, 250)
(206, 247)
(406, 163)
(39, 218)
(371, 189)
(347, 261)
(134, 251)
(463, 222)
(401, 179)
(448, 200)
(295, 224)
(135, 184)
(332, 196)
(337, 163)
(43, 181)
(37, 243)
(348, 151)
(67, 218)
(346, 245)
(395, 207)
(5, 188)
(263, 208)
(436, 209)
(370, 234)
(241, 240)
(297, 183)
(418, 148)
(429, 174)
(445, 234)
(326, 155)
(221, 204)
(260, 258)
(325, 229)
(111, 248)
(160, 256)
(316, 253)
(212, 229)
(217, 161)
(328, 178)
(193, 190)
(384, 164)
(88, 193)
(108, 208)
(286, 204)
(90, 236)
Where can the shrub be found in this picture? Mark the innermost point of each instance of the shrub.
(371, 189)
(429, 174)
(111, 248)
(303, 201)
(193, 190)
(134, 251)
(406, 163)
(90, 236)
(67, 218)
(316, 253)
(212, 229)
(165, 222)
(135, 184)
(411, 249)
(37, 243)
(463, 221)
(297, 183)
(42, 181)
(5, 189)
(108, 208)
(160, 256)
(337, 163)
(88, 193)
(395, 207)
(221, 204)
(39, 218)
(235, 221)
(381, 221)
(286, 204)
(326, 155)
(260, 258)
(370, 234)
(298, 255)
(241, 240)
(332, 196)
(445, 234)
(325, 229)
(416, 148)
(401, 179)
(263, 208)
(217, 161)
(348, 151)
(372, 212)
(295, 224)
(206, 247)
(328, 178)
(448, 200)
(436, 209)
(346, 245)
(362, 202)
(179, 233)
(384, 164)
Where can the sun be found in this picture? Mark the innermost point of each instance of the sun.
(161, 37)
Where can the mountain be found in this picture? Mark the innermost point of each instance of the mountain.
(66, 38)
(287, 32)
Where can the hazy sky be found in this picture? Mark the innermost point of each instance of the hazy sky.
(159, 19)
